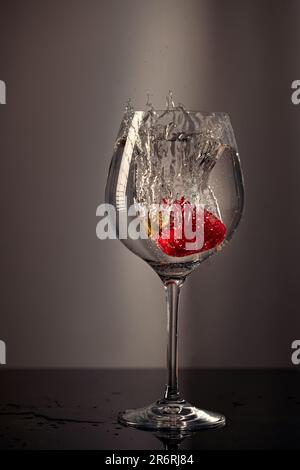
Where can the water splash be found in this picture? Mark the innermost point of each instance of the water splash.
(170, 104)
(174, 153)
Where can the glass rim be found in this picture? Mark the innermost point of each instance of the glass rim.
(192, 111)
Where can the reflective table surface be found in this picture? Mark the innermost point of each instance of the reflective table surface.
(77, 409)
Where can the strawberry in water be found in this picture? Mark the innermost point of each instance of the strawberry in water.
(205, 225)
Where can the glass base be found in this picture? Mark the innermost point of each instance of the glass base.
(171, 416)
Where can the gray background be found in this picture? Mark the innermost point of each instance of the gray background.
(68, 299)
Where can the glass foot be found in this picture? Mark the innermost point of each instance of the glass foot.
(175, 415)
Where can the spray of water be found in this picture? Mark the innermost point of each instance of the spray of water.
(174, 152)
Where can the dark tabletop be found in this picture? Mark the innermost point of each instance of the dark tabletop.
(77, 409)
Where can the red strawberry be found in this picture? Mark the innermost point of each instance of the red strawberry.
(173, 241)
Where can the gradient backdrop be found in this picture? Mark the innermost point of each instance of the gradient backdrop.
(68, 299)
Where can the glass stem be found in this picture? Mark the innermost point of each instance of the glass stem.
(172, 288)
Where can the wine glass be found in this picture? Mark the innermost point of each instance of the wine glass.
(175, 168)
